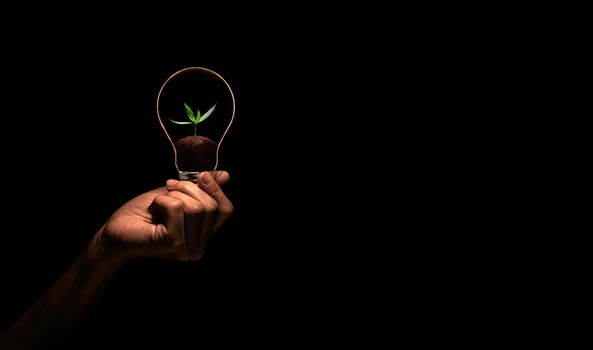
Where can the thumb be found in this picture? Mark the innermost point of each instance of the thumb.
(225, 207)
(221, 177)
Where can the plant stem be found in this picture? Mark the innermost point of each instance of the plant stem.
(195, 128)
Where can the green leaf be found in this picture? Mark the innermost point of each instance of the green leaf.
(207, 114)
(190, 114)
(180, 123)
(198, 116)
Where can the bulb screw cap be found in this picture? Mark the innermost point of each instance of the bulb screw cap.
(189, 176)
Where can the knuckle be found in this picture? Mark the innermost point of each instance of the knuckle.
(195, 209)
(214, 191)
(185, 185)
(228, 209)
(211, 206)
(176, 204)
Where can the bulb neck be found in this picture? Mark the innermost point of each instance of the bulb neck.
(189, 176)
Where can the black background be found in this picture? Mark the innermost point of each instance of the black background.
(86, 140)
(347, 162)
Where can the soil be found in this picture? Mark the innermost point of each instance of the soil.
(196, 153)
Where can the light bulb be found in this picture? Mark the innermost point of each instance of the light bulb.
(193, 111)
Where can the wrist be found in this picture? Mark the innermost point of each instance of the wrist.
(96, 253)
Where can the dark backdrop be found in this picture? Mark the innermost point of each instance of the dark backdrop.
(335, 177)
(81, 138)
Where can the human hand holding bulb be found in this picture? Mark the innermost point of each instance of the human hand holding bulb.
(176, 221)
(173, 222)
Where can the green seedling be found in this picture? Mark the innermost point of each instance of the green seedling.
(195, 119)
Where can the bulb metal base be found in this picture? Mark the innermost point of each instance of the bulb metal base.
(189, 176)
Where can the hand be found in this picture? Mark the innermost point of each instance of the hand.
(173, 222)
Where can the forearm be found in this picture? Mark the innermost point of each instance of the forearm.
(65, 303)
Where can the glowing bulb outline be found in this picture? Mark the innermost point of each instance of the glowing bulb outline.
(158, 113)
